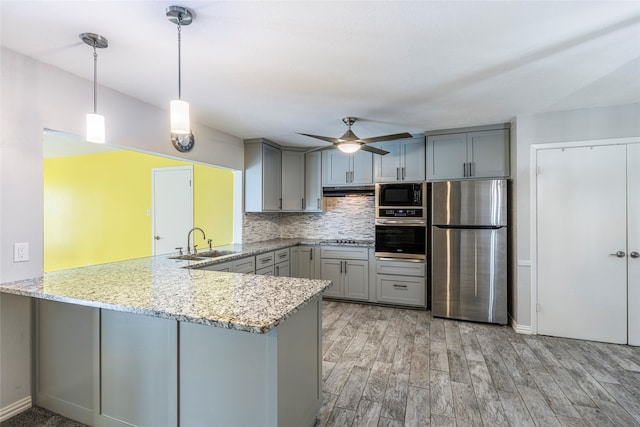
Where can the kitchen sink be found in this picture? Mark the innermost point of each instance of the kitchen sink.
(215, 253)
(187, 257)
(201, 256)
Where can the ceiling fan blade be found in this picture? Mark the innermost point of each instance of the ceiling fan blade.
(326, 147)
(387, 137)
(373, 150)
(323, 138)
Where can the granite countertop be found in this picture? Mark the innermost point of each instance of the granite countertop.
(174, 289)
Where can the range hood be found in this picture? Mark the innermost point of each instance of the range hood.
(345, 191)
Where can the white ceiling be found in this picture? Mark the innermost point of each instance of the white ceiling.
(273, 68)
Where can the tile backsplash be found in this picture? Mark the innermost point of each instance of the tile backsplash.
(343, 218)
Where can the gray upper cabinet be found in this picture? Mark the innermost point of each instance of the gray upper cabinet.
(293, 180)
(262, 176)
(476, 154)
(313, 182)
(405, 161)
(339, 168)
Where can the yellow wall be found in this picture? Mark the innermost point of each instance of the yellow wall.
(95, 207)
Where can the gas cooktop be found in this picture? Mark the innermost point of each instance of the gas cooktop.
(347, 242)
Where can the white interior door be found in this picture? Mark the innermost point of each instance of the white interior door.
(172, 208)
(581, 213)
(633, 233)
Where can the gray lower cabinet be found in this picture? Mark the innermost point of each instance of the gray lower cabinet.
(265, 263)
(308, 262)
(67, 355)
(401, 282)
(348, 269)
(243, 265)
(107, 368)
(275, 263)
(475, 154)
(139, 377)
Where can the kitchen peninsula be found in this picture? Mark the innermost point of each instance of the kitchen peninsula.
(147, 342)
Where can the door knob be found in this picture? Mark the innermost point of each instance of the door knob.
(156, 237)
(634, 254)
(619, 254)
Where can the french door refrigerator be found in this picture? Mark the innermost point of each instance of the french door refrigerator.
(469, 250)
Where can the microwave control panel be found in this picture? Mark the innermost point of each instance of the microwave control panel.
(400, 213)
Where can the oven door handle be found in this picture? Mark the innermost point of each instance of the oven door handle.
(401, 222)
(380, 258)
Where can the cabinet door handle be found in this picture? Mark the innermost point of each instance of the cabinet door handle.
(277, 270)
(464, 169)
(619, 254)
(470, 171)
(397, 174)
(634, 255)
(311, 254)
(318, 202)
(340, 267)
(302, 203)
(395, 285)
(280, 199)
(404, 173)
(345, 267)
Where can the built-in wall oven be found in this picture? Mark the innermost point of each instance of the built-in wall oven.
(401, 221)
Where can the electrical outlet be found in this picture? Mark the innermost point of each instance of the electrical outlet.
(21, 252)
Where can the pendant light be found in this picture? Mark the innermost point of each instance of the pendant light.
(179, 109)
(95, 122)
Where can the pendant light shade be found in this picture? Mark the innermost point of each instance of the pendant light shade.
(95, 131)
(95, 128)
(180, 117)
(179, 109)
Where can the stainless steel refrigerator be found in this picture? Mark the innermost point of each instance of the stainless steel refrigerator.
(469, 250)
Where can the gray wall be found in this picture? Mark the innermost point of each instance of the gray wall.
(36, 96)
(562, 126)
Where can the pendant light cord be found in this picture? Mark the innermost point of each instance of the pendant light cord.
(179, 57)
(95, 80)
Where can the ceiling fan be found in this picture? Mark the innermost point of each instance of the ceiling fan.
(350, 143)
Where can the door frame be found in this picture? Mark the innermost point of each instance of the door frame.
(153, 195)
(533, 218)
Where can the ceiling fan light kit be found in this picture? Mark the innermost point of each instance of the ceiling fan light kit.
(350, 143)
(95, 131)
(181, 135)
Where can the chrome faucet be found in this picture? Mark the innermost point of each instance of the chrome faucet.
(189, 239)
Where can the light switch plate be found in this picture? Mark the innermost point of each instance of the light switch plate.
(21, 252)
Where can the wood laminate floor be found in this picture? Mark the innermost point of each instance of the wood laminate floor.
(391, 367)
(394, 367)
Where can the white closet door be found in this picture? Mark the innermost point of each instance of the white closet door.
(581, 211)
(633, 230)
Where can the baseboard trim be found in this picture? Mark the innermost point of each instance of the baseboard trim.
(521, 329)
(15, 408)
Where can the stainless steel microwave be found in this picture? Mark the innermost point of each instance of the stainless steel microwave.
(401, 195)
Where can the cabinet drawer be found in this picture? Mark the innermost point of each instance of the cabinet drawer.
(264, 260)
(344, 252)
(266, 271)
(245, 265)
(223, 266)
(281, 255)
(401, 268)
(405, 290)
